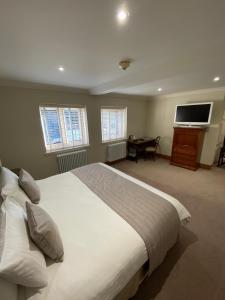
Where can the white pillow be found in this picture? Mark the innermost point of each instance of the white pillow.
(9, 186)
(21, 261)
(8, 182)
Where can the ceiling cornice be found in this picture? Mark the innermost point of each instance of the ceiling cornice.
(41, 86)
(50, 87)
(192, 93)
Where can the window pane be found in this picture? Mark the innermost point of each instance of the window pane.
(105, 125)
(113, 124)
(64, 127)
(73, 130)
(51, 128)
(119, 131)
(76, 126)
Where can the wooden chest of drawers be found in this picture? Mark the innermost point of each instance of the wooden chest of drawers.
(187, 147)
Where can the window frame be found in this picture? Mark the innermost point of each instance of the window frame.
(115, 108)
(64, 145)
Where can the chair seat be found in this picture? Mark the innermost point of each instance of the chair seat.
(150, 149)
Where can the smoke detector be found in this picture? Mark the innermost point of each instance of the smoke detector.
(124, 64)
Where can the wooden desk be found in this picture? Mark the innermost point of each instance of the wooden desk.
(136, 148)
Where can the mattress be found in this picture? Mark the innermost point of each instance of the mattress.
(103, 253)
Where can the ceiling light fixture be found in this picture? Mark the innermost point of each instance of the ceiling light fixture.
(159, 90)
(61, 68)
(122, 15)
(217, 78)
(124, 64)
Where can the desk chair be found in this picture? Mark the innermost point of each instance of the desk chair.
(222, 155)
(151, 151)
(221, 160)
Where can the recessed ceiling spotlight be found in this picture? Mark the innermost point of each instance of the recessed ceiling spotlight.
(217, 78)
(122, 15)
(159, 90)
(61, 68)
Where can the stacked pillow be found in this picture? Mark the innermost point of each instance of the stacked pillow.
(21, 261)
(8, 182)
(30, 187)
(22, 251)
(44, 232)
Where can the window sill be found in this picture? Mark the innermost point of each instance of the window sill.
(114, 141)
(69, 149)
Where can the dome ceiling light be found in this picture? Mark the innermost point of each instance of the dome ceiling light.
(124, 64)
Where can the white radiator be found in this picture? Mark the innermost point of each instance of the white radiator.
(71, 160)
(116, 151)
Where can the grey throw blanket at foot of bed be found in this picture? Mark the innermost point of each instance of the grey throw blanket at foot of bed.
(153, 218)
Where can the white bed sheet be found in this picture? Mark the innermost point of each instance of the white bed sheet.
(102, 251)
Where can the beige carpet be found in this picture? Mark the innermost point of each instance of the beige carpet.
(195, 268)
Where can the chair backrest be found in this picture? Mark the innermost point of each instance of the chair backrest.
(157, 141)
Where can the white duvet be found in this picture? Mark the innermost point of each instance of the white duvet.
(102, 251)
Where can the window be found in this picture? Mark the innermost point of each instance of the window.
(114, 124)
(64, 127)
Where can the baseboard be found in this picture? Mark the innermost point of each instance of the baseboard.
(163, 156)
(168, 157)
(204, 166)
(110, 163)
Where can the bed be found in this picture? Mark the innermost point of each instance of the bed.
(108, 251)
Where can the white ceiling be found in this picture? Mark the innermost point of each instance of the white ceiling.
(175, 44)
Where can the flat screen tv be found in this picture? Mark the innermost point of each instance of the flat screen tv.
(194, 114)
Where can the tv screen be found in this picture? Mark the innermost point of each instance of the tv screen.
(193, 113)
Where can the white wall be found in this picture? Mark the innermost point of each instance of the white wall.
(22, 142)
(160, 120)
